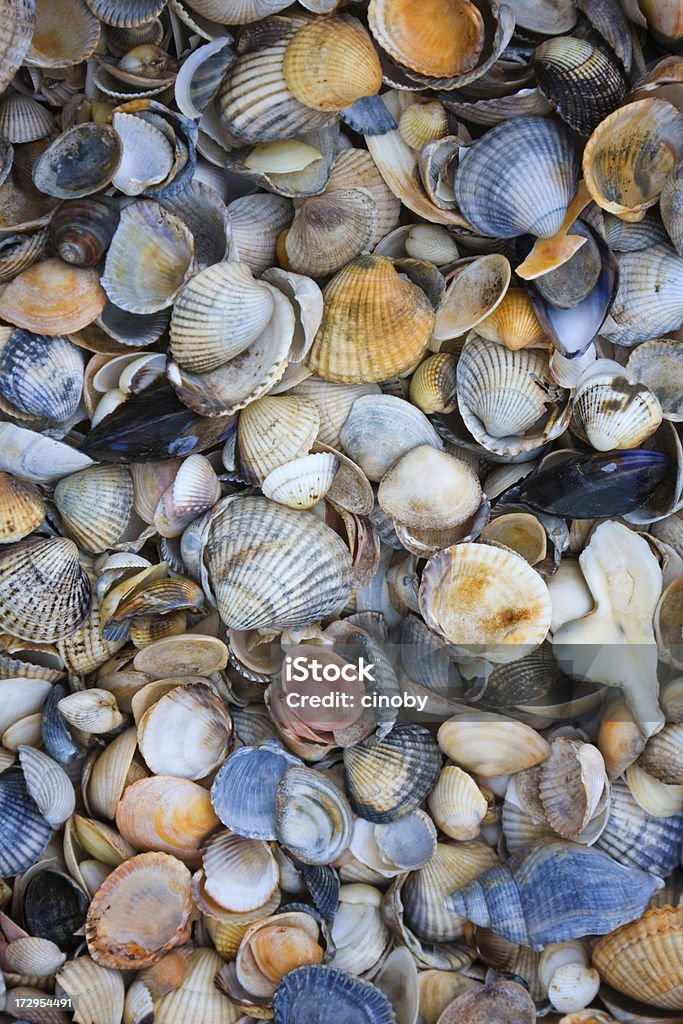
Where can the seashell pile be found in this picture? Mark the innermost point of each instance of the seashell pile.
(341, 511)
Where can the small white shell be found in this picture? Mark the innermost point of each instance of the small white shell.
(303, 482)
(50, 787)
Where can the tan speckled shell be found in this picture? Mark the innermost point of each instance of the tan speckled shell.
(644, 959)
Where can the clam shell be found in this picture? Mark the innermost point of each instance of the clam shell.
(108, 777)
(426, 489)
(186, 733)
(18, 21)
(273, 947)
(421, 123)
(582, 82)
(393, 776)
(302, 483)
(243, 808)
(313, 818)
(309, 568)
(167, 814)
(217, 315)
(54, 906)
(256, 222)
(99, 992)
(92, 711)
(63, 38)
(45, 595)
(659, 799)
(82, 230)
(432, 386)
(490, 744)
(240, 879)
(189, 655)
(457, 805)
(613, 412)
(52, 298)
(25, 832)
(507, 399)
(521, 532)
(671, 208)
(648, 301)
(642, 959)
(18, 252)
(140, 911)
(21, 508)
(476, 287)
(374, 324)
(333, 402)
(304, 989)
(380, 428)
(23, 119)
(96, 505)
(147, 156)
(49, 786)
(630, 155)
(638, 839)
(86, 648)
(518, 178)
(656, 364)
(331, 63)
(488, 599)
(663, 755)
(571, 782)
(206, 215)
(272, 431)
(195, 489)
(329, 230)
(443, 41)
(149, 259)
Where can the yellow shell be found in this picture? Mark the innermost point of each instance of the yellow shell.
(436, 38)
(21, 508)
(644, 959)
(513, 322)
(331, 62)
(422, 122)
(167, 814)
(375, 324)
(432, 387)
(630, 155)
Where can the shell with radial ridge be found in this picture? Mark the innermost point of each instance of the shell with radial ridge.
(331, 62)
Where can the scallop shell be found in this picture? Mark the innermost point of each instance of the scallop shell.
(45, 595)
(23, 119)
(203, 211)
(98, 992)
(636, 838)
(518, 178)
(374, 324)
(441, 41)
(186, 733)
(18, 21)
(96, 505)
(217, 315)
(614, 412)
(485, 599)
(237, 12)
(330, 63)
(129, 14)
(432, 386)
(513, 322)
(256, 222)
(305, 988)
(329, 230)
(582, 82)
(21, 508)
(630, 155)
(642, 959)
(167, 814)
(393, 776)
(507, 399)
(239, 880)
(63, 38)
(53, 298)
(140, 911)
(149, 260)
(309, 568)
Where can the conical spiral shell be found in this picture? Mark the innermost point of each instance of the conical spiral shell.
(274, 568)
(518, 178)
(217, 315)
(374, 324)
(96, 505)
(331, 62)
(82, 231)
(44, 593)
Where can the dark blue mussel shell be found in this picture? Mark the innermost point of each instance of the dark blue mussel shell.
(593, 486)
(154, 424)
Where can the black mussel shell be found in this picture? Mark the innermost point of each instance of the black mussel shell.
(55, 908)
(154, 424)
(593, 486)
